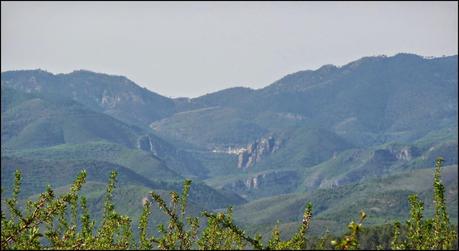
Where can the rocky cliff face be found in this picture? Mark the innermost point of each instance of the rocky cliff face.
(144, 143)
(276, 182)
(257, 151)
(407, 153)
(116, 96)
(176, 159)
(380, 162)
(396, 153)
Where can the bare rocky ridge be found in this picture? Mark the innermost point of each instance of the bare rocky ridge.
(256, 151)
(284, 181)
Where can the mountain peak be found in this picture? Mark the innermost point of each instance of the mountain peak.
(84, 72)
(27, 72)
(327, 68)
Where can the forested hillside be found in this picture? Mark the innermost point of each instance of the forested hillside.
(361, 136)
(76, 229)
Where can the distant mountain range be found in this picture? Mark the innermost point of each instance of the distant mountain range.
(330, 131)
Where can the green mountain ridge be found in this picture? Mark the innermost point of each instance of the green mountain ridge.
(382, 98)
(60, 173)
(41, 121)
(359, 135)
(116, 96)
(382, 198)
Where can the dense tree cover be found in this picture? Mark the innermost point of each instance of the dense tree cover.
(64, 222)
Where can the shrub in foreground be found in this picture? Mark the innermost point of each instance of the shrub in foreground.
(64, 222)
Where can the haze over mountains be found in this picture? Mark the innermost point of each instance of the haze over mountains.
(369, 129)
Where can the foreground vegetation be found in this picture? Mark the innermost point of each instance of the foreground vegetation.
(64, 222)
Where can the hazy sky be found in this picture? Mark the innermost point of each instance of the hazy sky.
(193, 48)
